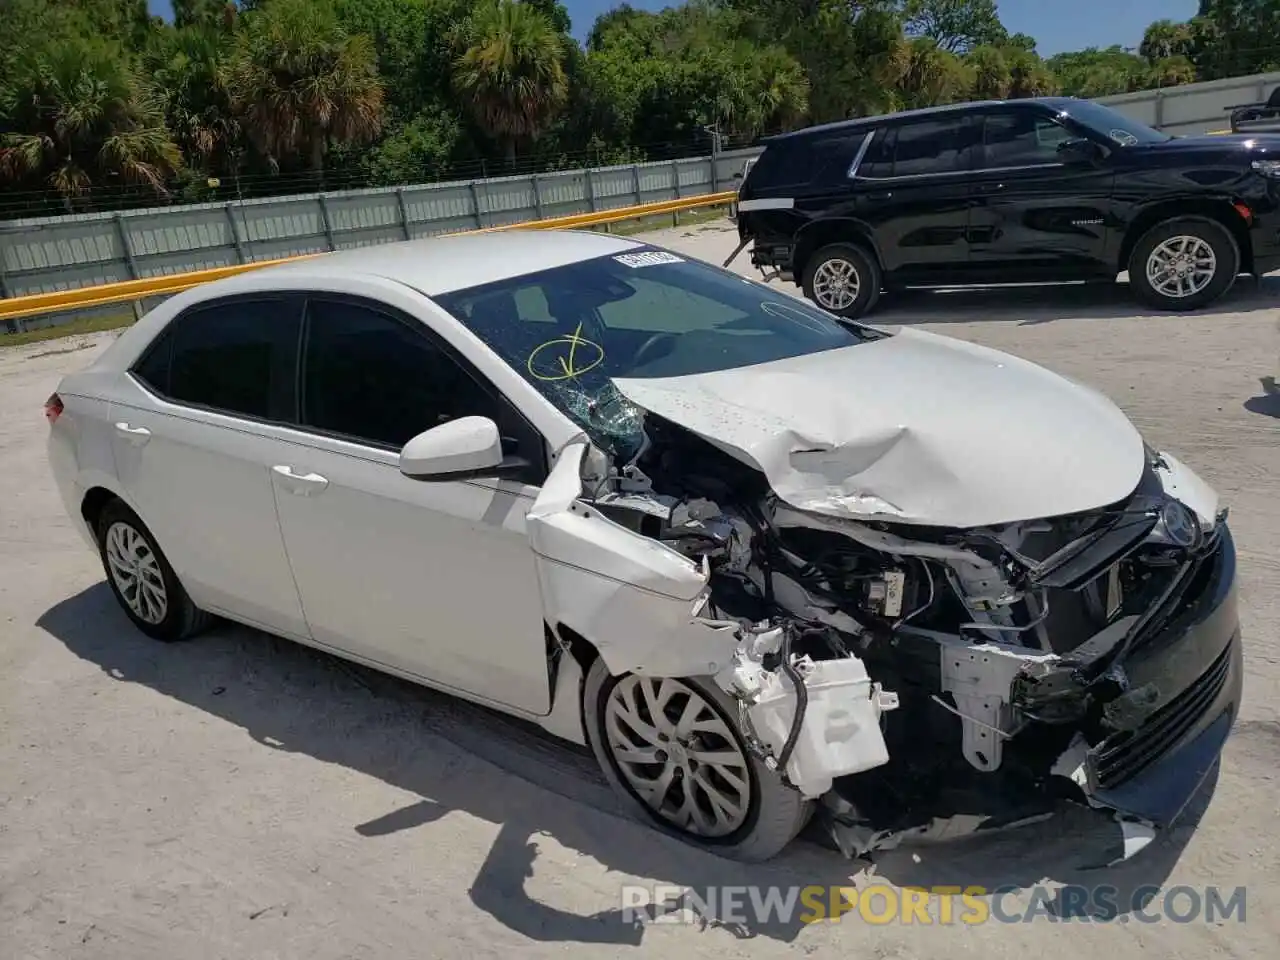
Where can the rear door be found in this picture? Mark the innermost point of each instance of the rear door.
(913, 193)
(1033, 216)
(192, 453)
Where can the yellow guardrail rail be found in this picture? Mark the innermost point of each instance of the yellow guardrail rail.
(131, 290)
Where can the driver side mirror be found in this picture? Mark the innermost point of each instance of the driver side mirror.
(462, 449)
(1080, 150)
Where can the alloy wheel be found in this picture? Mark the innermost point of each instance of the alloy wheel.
(678, 755)
(1181, 267)
(836, 284)
(135, 571)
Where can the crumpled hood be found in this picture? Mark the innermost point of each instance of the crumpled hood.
(914, 428)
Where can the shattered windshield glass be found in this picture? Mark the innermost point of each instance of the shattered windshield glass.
(643, 314)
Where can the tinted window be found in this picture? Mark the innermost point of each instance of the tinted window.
(877, 162)
(1021, 139)
(833, 157)
(645, 313)
(235, 356)
(369, 376)
(931, 146)
(1118, 128)
(784, 162)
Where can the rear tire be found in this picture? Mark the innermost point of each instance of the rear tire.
(142, 580)
(1183, 263)
(761, 816)
(843, 279)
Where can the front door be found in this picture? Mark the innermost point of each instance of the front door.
(913, 192)
(433, 579)
(1034, 217)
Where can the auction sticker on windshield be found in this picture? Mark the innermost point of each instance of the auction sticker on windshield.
(649, 258)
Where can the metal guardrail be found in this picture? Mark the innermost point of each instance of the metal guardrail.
(165, 284)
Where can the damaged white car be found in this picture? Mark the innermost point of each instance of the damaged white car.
(763, 562)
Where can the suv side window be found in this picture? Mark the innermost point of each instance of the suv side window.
(375, 378)
(930, 146)
(234, 356)
(1020, 139)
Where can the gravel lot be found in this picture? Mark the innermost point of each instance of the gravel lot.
(243, 797)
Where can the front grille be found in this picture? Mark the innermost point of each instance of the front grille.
(1126, 754)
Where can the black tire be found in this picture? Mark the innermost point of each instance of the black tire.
(180, 617)
(858, 263)
(776, 812)
(1226, 262)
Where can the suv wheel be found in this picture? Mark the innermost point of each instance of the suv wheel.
(842, 279)
(1184, 263)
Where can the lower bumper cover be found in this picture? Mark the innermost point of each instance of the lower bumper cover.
(1194, 668)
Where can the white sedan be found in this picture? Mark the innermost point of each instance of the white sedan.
(760, 560)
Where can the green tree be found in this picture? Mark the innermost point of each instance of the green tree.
(955, 25)
(76, 115)
(189, 69)
(511, 72)
(1164, 39)
(302, 84)
(210, 14)
(932, 75)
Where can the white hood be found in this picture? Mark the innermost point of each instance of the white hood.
(914, 428)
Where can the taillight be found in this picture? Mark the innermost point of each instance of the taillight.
(53, 408)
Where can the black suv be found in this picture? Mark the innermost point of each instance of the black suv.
(1033, 190)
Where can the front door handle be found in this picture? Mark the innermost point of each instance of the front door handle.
(988, 188)
(136, 436)
(301, 484)
(880, 195)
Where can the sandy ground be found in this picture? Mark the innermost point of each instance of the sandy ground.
(243, 797)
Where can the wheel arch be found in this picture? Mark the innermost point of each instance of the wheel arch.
(1220, 210)
(817, 234)
(93, 502)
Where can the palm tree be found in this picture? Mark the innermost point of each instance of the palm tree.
(78, 114)
(511, 72)
(189, 69)
(301, 83)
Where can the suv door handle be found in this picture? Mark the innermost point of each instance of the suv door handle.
(136, 436)
(301, 484)
(880, 195)
(988, 188)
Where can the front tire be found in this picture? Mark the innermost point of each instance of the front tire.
(142, 580)
(676, 759)
(1183, 264)
(842, 279)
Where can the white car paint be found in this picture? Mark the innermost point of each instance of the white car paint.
(449, 582)
(915, 428)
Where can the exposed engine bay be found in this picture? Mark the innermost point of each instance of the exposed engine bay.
(890, 669)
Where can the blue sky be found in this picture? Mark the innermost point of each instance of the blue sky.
(1057, 25)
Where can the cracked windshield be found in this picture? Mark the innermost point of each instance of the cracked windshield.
(642, 314)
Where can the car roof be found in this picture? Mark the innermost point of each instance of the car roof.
(444, 264)
(1056, 103)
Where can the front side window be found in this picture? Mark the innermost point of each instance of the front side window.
(371, 377)
(1021, 139)
(571, 330)
(234, 357)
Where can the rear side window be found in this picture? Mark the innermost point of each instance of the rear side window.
(235, 357)
(783, 163)
(919, 149)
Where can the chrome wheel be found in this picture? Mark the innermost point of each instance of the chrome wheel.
(1181, 267)
(135, 571)
(836, 284)
(678, 755)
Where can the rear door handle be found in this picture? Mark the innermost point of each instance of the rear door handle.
(136, 436)
(880, 195)
(301, 484)
(988, 188)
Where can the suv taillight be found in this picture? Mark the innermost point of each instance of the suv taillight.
(53, 408)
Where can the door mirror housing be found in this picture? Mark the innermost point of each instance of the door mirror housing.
(1080, 150)
(462, 449)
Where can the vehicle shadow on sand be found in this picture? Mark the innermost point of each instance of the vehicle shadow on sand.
(458, 757)
(1046, 303)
